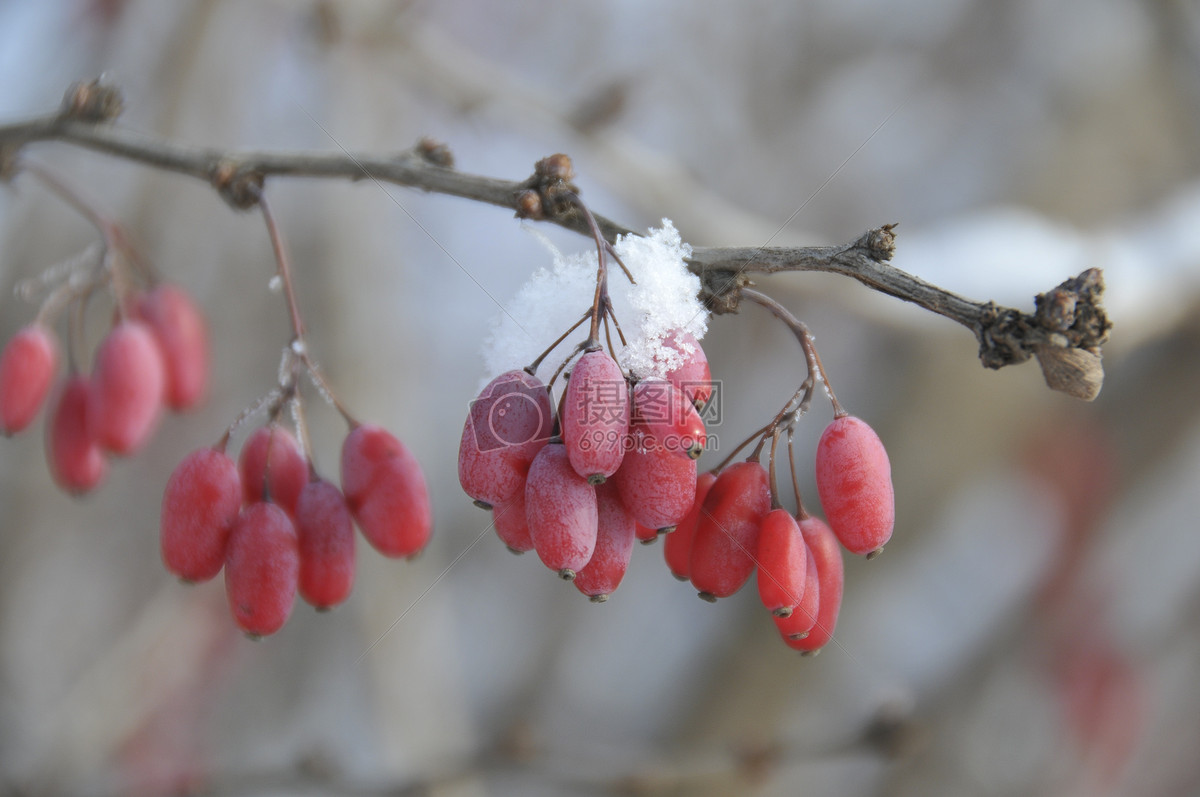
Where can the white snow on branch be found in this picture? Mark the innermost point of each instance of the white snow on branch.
(663, 299)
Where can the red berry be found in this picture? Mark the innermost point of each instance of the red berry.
(782, 563)
(126, 388)
(325, 540)
(273, 468)
(76, 461)
(669, 418)
(827, 557)
(645, 534)
(800, 622)
(595, 419)
(506, 426)
(182, 334)
(854, 481)
(657, 487)
(512, 526)
(562, 512)
(693, 376)
(27, 367)
(200, 505)
(678, 547)
(726, 538)
(614, 547)
(261, 568)
(386, 492)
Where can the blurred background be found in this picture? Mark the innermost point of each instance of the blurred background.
(1032, 627)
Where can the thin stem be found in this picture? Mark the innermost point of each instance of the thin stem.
(775, 504)
(531, 369)
(801, 514)
(729, 457)
(811, 358)
(283, 265)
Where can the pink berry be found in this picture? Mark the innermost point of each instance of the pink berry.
(27, 367)
(182, 334)
(644, 534)
(782, 563)
(823, 549)
(126, 388)
(800, 622)
(669, 418)
(693, 376)
(76, 461)
(562, 512)
(506, 426)
(261, 568)
(386, 492)
(678, 548)
(200, 505)
(657, 486)
(854, 481)
(512, 526)
(726, 538)
(273, 468)
(325, 539)
(595, 419)
(614, 547)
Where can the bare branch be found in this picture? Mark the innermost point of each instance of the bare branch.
(1065, 332)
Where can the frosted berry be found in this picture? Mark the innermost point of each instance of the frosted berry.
(262, 564)
(562, 512)
(182, 335)
(386, 491)
(614, 547)
(325, 541)
(272, 467)
(669, 418)
(27, 367)
(512, 526)
(595, 420)
(782, 563)
(506, 426)
(854, 481)
(727, 534)
(76, 461)
(657, 487)
(827, 556)
(693, 376)
(199, 507)
(800, 622)
(678, 547)
(126, 388)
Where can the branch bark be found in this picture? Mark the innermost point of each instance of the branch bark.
(1065, 332)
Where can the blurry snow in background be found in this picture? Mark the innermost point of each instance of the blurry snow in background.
(1031, 629)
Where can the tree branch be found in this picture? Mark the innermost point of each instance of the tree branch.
(1065, 332)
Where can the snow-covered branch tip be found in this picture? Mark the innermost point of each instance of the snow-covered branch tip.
(1065, 332)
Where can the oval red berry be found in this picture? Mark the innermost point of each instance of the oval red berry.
(726, 539)
(386, 491)
(325, 541)
(272, 467)
(262, 564)
(76, 462)
(182, 334)
(562, 512)
(854, 481)
(126, 388)
(27, 367)
(200, 505)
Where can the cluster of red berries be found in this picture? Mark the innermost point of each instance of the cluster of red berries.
(617, 463)
(154, 355)
(276, 526)
(737, 527)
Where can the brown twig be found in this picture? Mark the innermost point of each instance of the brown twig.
(1066, 343)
